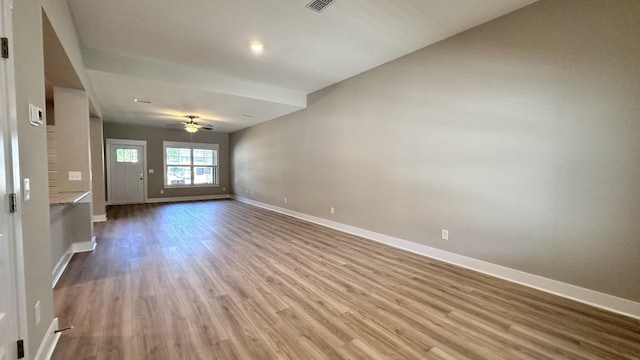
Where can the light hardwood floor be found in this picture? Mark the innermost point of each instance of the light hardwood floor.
(225, 280)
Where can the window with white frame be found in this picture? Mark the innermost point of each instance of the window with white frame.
(126, 155)
(190, 164)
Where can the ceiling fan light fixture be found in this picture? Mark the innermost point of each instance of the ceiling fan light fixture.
(191, 127)
(256, 47)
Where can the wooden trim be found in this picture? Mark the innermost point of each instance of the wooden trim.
(75, 248)
(100, 218)
(60, 267)
(48, 344)
(573, 292)
(85, 246)
(188, 198)
(126, 142)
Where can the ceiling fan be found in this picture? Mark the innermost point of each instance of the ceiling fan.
(192, 126)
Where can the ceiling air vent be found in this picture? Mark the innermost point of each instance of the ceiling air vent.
(318, 5)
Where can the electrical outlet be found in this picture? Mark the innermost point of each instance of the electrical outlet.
(161, 192)
(36, 310)
(251, 193)
(445, 234)
(333, 211)
(224, 189)
(35, 115)
(285, 200)
(150, 171)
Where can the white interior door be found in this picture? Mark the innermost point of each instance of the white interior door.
(8, 297)
(126, 173)
(8, 305)
(8, 282)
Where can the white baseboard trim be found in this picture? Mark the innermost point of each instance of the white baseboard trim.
(573, 292)
(60, 267)
(188, 198)
(75, 248)
(48, 345)
(100, 218)
(85, 246)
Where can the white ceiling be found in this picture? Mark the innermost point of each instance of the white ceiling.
(192, 56)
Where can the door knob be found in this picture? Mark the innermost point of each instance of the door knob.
(141, 176)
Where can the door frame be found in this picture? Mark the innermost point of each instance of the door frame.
(113, 142)
(12, 173)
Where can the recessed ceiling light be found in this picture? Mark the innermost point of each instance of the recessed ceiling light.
(256, 47)
(249, 115)
(142, 101)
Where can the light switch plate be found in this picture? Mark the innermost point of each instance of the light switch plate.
(75, 175)
(27, 189)
(150, 171)
(36, 310)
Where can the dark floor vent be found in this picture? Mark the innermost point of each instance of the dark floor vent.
(318, 5)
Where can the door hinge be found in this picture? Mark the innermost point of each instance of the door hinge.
(5, 48)
(13, 202)
(20, 349)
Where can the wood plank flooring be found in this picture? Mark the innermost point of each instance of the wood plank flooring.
(225, 280)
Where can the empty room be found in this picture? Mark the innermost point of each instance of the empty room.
(320, 179)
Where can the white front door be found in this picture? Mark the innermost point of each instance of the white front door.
(126, 173)
(8, 283)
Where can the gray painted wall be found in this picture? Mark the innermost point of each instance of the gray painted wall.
(72, 138)
(61, 232)
(70, 223)
(97, 167)
(521, 137)
(34, 229)
(154, 137)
